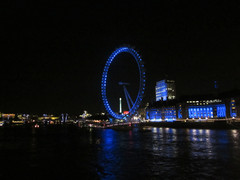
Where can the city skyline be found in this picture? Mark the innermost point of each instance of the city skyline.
(53, 58)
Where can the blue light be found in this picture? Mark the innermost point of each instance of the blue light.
(104, 81)
(207, 111)
(180, 112)
(233, 112)
(164, 114)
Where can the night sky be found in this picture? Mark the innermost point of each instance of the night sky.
(53, 55)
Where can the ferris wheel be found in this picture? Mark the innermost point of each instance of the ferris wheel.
(132, 105)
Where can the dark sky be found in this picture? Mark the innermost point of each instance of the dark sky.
(54, 54)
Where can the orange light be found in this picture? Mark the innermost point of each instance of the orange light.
(8, 115)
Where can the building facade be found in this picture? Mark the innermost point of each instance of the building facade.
(196, 108)
(165, 90)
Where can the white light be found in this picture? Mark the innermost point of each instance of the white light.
(120, 105)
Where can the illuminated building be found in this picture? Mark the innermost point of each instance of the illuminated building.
(85, 114)
(223, 106)
(180, 111)
(8, 116)
(49, 119)
(233, 110)
(207, 111)
(162, 111)
(165, 90)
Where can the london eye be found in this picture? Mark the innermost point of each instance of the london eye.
(133, 105)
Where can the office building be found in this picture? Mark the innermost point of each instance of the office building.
(165, 90)
(222, 106)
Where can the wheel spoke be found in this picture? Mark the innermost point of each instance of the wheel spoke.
(134, 105)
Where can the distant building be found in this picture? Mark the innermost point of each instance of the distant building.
(221, 106)
(165, 90)
(8, 116)
(49, 119)
(85, 114)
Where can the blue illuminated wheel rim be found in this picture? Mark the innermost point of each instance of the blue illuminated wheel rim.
(141, 82)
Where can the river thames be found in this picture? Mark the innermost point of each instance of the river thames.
(151, 153)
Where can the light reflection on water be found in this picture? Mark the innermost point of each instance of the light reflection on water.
(150, 153)
(169, 153)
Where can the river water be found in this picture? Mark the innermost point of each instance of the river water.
(153, 153)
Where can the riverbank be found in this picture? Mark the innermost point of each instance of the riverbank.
(194, 125)
(221, 124)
